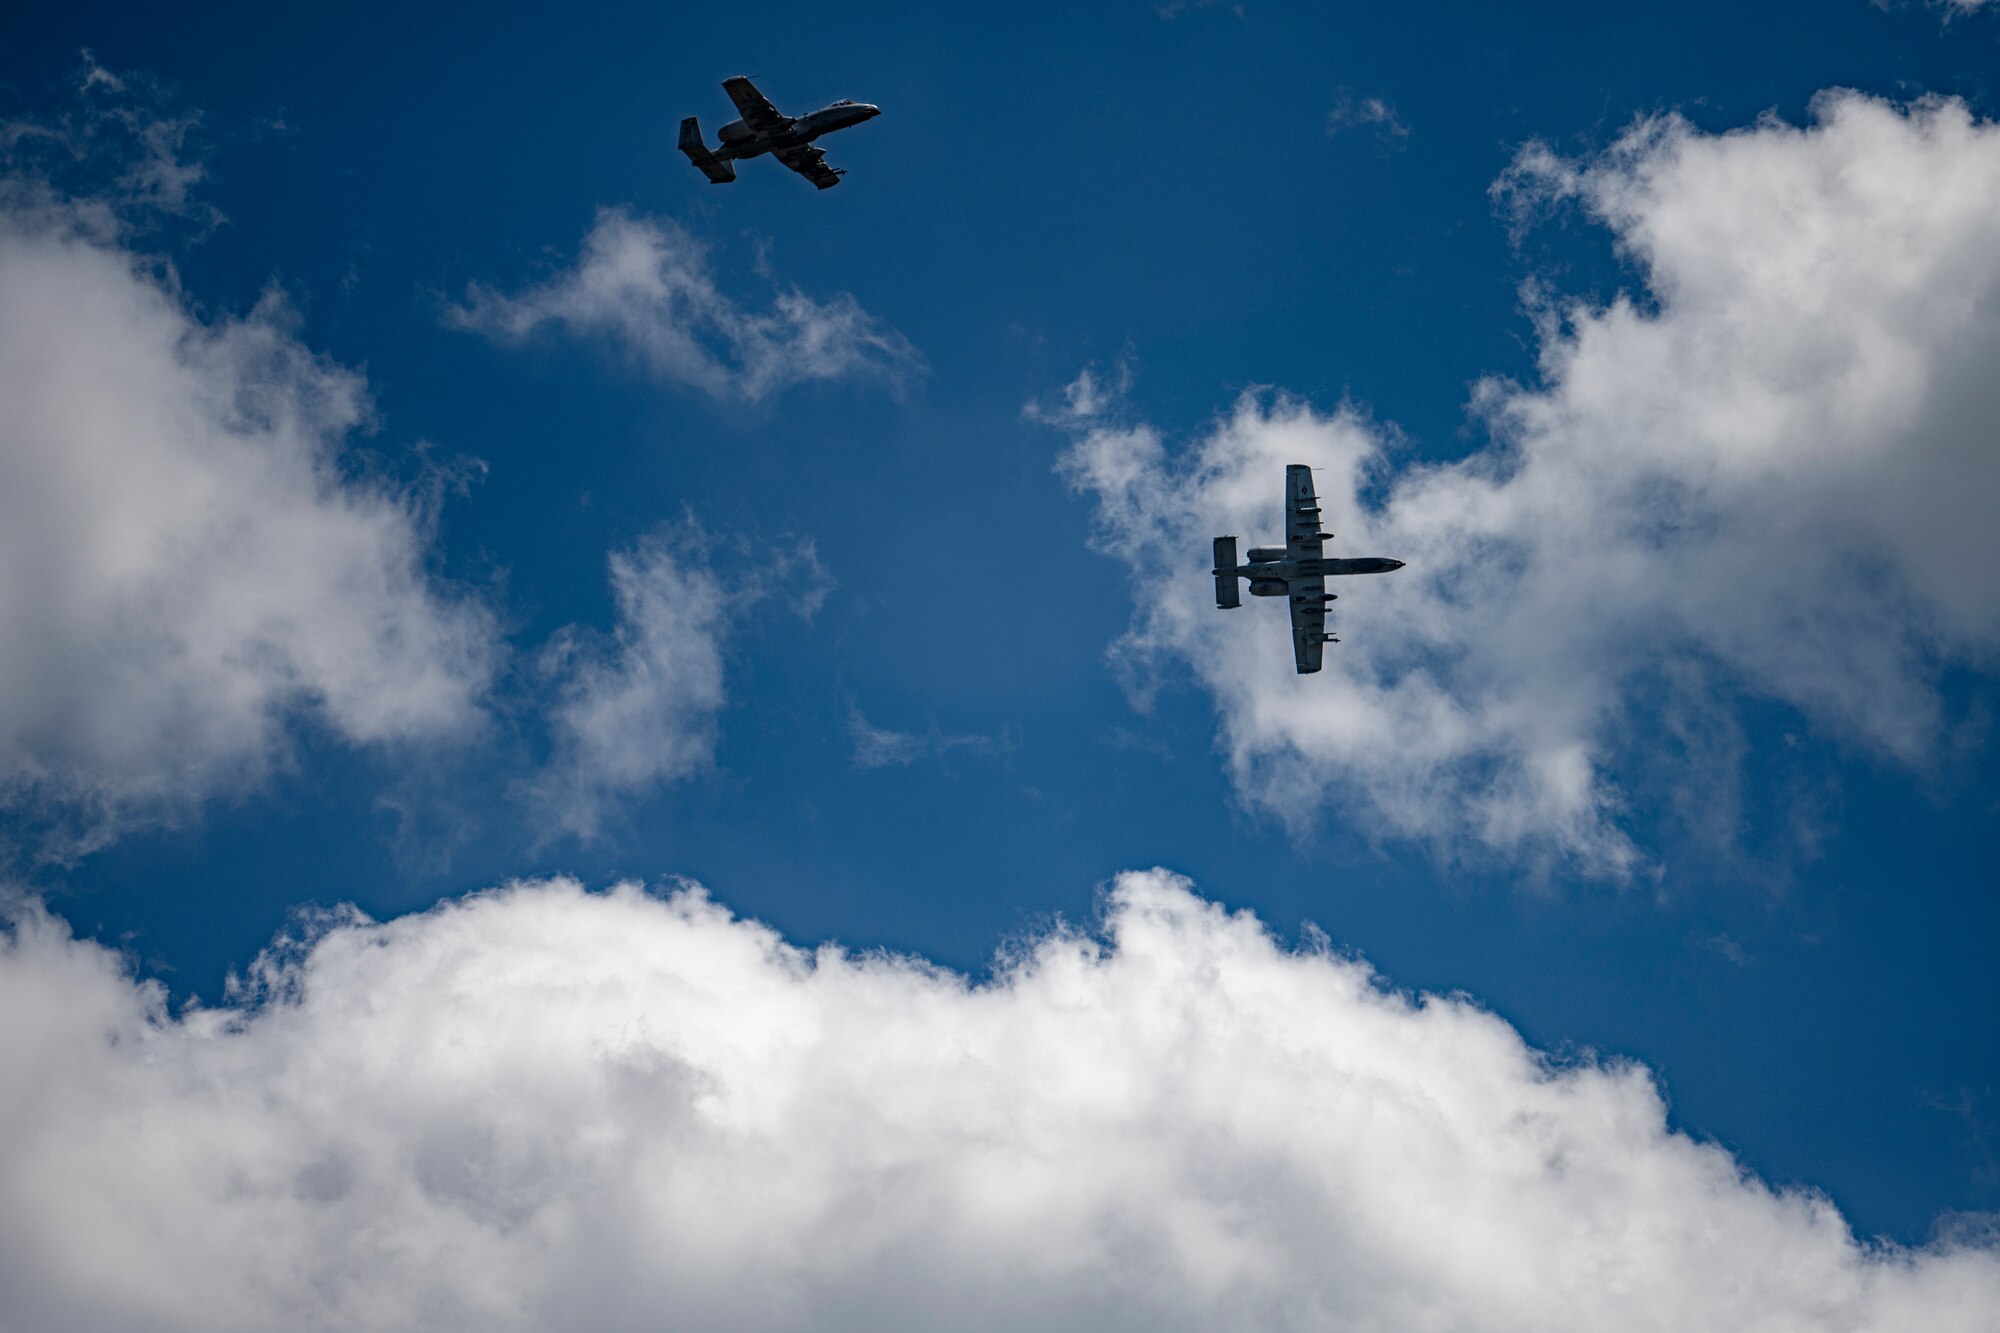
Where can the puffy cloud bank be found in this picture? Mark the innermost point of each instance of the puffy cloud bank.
(645, 285)
(1776, 476)
(185, 559)
(551, 1109)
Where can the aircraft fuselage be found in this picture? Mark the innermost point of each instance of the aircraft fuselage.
(740, 142)
(1264, 571)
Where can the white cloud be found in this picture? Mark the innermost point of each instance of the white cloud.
(544, 1108)
(1779, 479)
(645, 285)
(185, 561)
(642, 707)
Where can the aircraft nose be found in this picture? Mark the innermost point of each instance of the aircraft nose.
(871, 109)
(1395, 565)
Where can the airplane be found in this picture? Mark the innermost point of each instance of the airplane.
(764, 129)
(1298, 570)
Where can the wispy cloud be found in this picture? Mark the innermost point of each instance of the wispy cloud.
(1726, 946)
(641, 706)
(1086, 398)
(645, 286)
(119, 155)
(1173, 9)
(875, 747)
(1367, 113)
(1952, 8)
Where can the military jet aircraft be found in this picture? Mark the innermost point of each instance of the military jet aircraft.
(1298, 570)
(764, 129)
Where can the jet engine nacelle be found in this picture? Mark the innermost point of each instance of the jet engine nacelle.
(1258, 554)
(735, 132)
(1269, 587)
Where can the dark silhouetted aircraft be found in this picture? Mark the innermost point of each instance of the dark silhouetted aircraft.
(763, 129)
(1298, 570)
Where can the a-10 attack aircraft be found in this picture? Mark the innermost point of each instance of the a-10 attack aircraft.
(764, 129)
(1297, 571)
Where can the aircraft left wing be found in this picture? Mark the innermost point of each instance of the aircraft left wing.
(753, 106)
(1308, 623)
(810, 162)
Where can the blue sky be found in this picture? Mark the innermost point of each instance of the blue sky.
(1681, 756)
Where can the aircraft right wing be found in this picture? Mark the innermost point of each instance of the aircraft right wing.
(1308, 623)
(810, 162)
(753, 106)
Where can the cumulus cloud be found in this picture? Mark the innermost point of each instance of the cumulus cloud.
(641, 707)
(645, 285)
(545, 1108)
(1775, 473)
(188, 558)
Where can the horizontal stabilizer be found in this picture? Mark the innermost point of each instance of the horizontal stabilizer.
(717, 171)
(1227, 593)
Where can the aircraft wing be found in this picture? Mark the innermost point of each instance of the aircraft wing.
(810, 162)
(1308, 623)
(753, 106)
(1302, 534)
